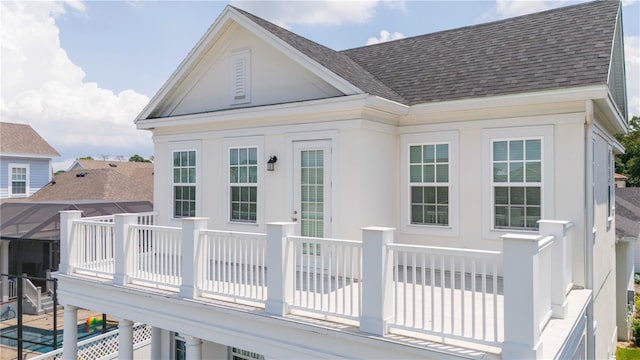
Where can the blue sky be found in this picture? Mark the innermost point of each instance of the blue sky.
(79, 72)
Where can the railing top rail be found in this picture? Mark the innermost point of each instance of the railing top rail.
(94, 222)
(546, 241)
(421, 249)
(98, 218)
(306, 239)
(232, 233)
(156, 227)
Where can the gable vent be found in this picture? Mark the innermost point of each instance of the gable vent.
(240, 77)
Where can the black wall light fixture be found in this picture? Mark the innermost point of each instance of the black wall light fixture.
(271, 164)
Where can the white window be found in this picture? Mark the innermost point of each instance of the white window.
(243, 184)
(184, 183)
(429, 184)
(240, 354)
(18, 180)
(241, 77)
(517, 183)
(611, 193)
(430, 178)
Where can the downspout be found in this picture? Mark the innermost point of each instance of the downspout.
(588, 222)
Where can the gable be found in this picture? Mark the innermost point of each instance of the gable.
(616, 80)
(270, 77)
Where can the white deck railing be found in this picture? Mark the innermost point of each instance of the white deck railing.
(233, 265)
(502, 299)
(444, 291)
(328, 276)
(156, 255)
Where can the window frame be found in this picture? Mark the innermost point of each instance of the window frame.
(193, 184)
(430, 138)
(546, 134)
(249, 185)
(10, 191)
(244, 142)
(517, 184)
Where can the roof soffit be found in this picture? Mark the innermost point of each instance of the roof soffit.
(224, 24)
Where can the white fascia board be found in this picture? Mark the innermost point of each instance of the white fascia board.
(192, 58)
(522, 99)
(28, 156)
(316, 68)
(341, 104)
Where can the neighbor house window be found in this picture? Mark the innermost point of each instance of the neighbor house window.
(243, 183)
(18, 180)
(429, 184)
(184, 183)
(517, 183)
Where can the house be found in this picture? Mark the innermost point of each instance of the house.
(621, 180)
(449, 195)
(25, 160)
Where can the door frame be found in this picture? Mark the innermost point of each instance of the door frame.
(331, 138)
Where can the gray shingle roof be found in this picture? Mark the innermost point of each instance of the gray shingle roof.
(560, 48)
(628, 212)
(21, 139)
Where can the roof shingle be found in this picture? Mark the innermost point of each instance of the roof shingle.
(21, 139)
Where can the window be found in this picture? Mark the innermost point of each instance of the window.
(239, 354)
(180, 347)
(18, 180)
(429, 184)
(517, 183)
(184, 183)
(611, 186)
(240, 77)
(243, 183)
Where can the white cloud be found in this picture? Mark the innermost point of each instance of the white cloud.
(384, 37)
(510, 8)
(628, 2)
(328, 12)
(632, 67)
(43, 88)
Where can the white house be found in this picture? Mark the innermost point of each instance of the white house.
(440, 196)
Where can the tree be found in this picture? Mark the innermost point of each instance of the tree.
(628, 164)
(138, 158)
(86, 158)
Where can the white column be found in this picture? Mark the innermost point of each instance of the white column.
(68, 256)
(560, 279)
(193, 348)
(70, 333)
(377, 280)
(123, 247)
(156, 343)
(190, 265)
(4, 269)
(520, 262)
(280, 265)
(125, 339)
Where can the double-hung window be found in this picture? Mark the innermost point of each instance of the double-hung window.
(243, 183)
(18, 180)
(184, 183)
(517, 183)
(429, 184)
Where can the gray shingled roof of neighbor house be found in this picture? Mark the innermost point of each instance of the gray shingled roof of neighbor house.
(21, 139)
(628, 212)
(555, 49)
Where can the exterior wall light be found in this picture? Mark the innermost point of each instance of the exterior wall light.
(271, 164)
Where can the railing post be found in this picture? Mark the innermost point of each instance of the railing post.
(4, 269)
(280, 268)
(560, 279)
(520, 261)
(191, 267)
(123, 252)
(68, 244)
(377, 280)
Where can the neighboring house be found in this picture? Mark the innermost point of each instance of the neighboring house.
(25, 161)
(621, 180)
(473, 168)
(102, 181)
(627, 250)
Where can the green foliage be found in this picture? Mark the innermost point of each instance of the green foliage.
(628, 164)
(627, 354)
(636, 299)
(138, 158)
(635, 330)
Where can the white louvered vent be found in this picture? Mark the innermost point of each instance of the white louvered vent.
(240, 77)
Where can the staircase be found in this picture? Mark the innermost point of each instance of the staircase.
(46, 304)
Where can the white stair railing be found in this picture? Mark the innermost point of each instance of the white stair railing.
(32, 293)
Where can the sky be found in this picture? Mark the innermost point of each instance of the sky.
(79, 72)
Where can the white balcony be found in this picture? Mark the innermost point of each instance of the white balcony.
(515, 303)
